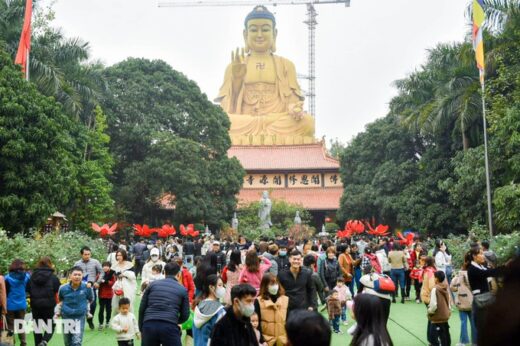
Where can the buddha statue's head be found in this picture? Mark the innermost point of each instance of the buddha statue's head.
(260, 31)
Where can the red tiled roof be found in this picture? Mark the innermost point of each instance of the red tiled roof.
(280, 157)
(311, 199)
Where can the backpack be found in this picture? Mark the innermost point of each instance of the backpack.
(383, 284)
(463, 296)
(331, 270)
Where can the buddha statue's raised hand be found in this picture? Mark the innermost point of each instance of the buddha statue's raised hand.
(238, 65)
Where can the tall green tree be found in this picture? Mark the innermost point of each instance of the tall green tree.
(375, 167)
(92, 198)
(37, 172)
(168, 139)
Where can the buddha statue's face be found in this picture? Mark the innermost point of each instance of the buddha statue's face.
(260, 35)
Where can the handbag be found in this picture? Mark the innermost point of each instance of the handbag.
(6, 338)
(484, 299)
(118, 288)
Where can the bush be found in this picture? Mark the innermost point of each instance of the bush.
(504, 245)
(331, 227)
(63, 249)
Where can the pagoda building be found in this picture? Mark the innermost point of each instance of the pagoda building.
(301, 174)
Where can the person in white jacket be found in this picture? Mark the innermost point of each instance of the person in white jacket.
(126, 283)
(155, 259)
(125, 324)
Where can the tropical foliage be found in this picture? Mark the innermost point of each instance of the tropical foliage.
(130, 142)
(422, 166)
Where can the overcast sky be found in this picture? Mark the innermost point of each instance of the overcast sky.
(360, 50)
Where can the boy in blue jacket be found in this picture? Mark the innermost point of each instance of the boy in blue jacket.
(74, 298)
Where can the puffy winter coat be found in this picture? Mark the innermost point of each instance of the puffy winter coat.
(273, 318)
(43, 287)
(428, 283)
(207, 314)
(16, 285)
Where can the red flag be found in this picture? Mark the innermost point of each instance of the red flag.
(25, 39)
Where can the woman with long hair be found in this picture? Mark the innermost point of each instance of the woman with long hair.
(271, 307)
(43, 287)
(255, 268)
(370, 322)
(416, 269)
(16, 283)
(463, 300)
(126, 283)
(231, 273)
(443, 259)
(206, 267)
(428, 283)
(479, 276)
(208, 309)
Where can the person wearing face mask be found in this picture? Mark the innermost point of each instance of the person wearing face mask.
(153, 260)
(282, 259)
(208, 309)
(234, 328)
(271, 306)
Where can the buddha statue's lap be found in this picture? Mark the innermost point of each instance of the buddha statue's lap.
(260, 92)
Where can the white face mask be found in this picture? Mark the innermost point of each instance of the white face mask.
(246, 309)
(273, 289)
(220, 292)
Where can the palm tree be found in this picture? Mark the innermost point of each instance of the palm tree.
(444, 94)
(58, 65)
(497, 13)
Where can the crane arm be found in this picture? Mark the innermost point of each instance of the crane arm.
(218, 3)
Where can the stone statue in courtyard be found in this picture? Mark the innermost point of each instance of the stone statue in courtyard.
(264, 212)
(260, 92)
(297, 218)
(234, 221)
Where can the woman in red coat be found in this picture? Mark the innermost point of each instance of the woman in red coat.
(186, 279)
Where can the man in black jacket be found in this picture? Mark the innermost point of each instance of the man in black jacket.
(221, 256)
(164, 306)
(298, 284)
(234, 328)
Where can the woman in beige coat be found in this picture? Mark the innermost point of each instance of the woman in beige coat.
(272, 310)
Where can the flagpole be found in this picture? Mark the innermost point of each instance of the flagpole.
(27, 67)
(486, 159)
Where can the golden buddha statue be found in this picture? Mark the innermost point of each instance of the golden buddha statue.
(260, 92)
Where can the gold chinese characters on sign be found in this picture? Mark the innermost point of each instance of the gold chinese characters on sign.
(292, 180)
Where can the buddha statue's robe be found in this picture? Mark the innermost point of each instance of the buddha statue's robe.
(264, 109)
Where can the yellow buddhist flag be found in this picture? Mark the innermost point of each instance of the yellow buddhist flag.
(478, 43)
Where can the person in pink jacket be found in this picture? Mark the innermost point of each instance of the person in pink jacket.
(255, 268)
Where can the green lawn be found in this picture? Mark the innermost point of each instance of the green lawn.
(410, 316)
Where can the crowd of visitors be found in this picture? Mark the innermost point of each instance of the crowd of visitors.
(276, 292)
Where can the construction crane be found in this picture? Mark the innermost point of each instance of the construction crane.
(310, 22)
